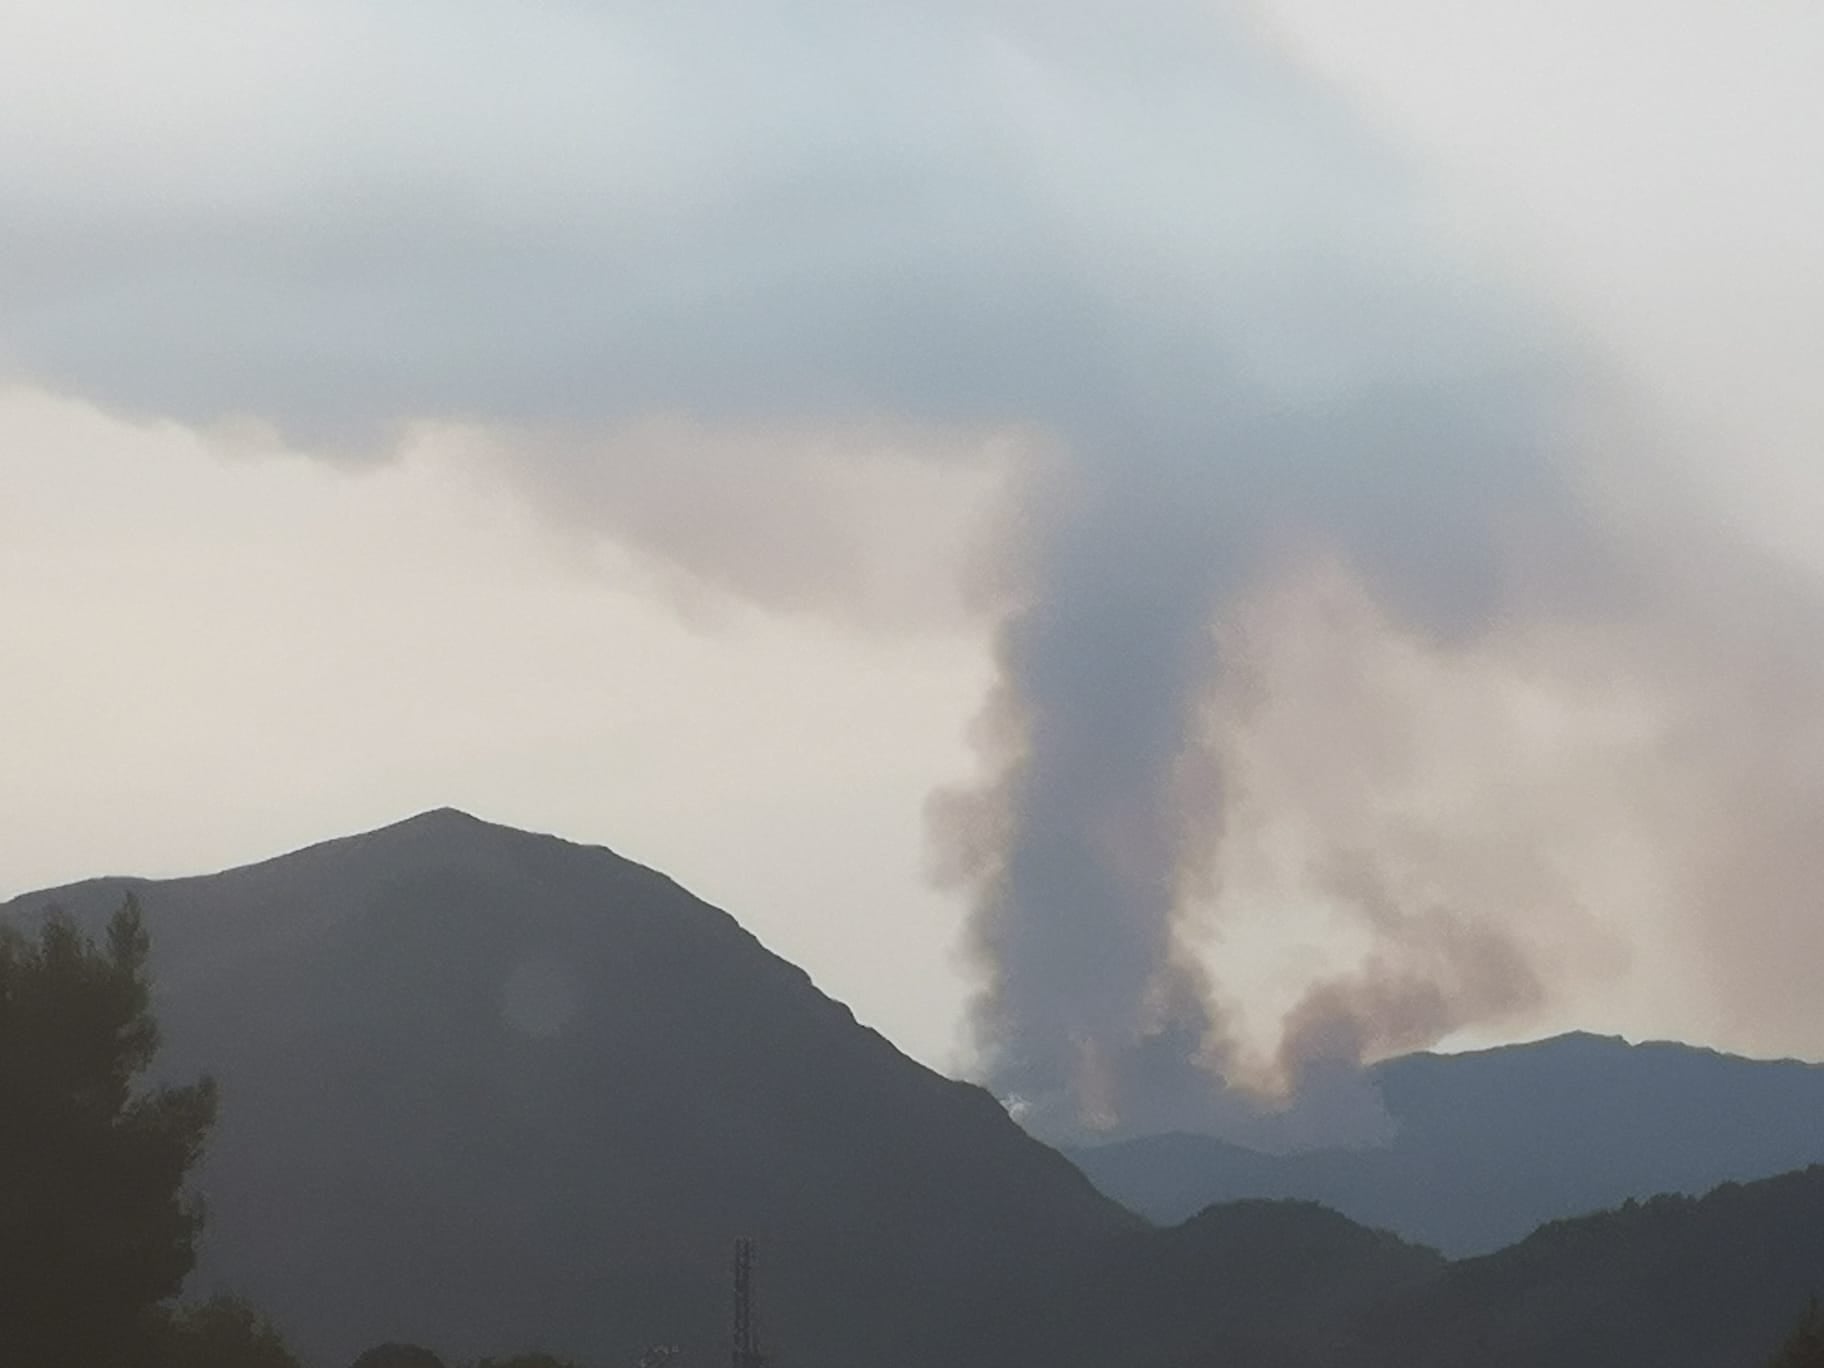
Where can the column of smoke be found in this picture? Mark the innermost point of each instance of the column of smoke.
(1100, 825)
(1224, 316)
(1341, 394)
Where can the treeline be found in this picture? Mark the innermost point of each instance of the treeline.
(1804, 1347)
(99, 1226)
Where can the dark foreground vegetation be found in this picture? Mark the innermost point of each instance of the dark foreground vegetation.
(97, 1229)
(101, 1220)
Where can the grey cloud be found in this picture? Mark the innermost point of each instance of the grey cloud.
(815, 211)
(852, 522)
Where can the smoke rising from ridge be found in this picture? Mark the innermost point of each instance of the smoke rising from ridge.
(1315, 596)
(1106, 802)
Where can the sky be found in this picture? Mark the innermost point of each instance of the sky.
(406, 406)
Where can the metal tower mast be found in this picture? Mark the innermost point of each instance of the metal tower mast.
(747, 1330)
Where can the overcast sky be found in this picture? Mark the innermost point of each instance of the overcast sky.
(405, 405)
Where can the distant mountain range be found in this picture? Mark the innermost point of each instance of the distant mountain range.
(1493, 1143)
(492, 1091)
(1675, 1282)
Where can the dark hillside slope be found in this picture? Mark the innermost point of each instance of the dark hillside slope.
(1493, 1143)
(490, 1090)
(1266, 1284)
(1675, 1282)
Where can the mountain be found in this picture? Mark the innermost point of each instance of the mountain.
(1674, 1282)
(1265, 1284)
(1491, 1144)
(493, 1091)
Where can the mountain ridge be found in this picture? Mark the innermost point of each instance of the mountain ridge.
(491, 1090)
(499, 1089)
(1492, 1143)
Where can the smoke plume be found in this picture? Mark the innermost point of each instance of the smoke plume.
(1323, 599)
(1098, 829)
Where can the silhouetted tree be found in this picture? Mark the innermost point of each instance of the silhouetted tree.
(1804, 1347)
(223, 1333)
(398, 1356)
(95, 1226)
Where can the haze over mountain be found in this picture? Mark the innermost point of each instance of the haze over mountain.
(491, 1090)
(1489, 1144)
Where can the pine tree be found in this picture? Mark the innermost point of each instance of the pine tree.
(96, 1227)
(398, 1356)
(224, 1332)
(1804, 1347)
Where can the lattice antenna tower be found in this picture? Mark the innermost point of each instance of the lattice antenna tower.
(747, 1327)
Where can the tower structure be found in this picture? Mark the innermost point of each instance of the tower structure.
(747, 1328)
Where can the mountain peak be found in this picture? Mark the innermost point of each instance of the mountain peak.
(462, 1062)
(439, 837)
(444, 817)
(442, 822)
